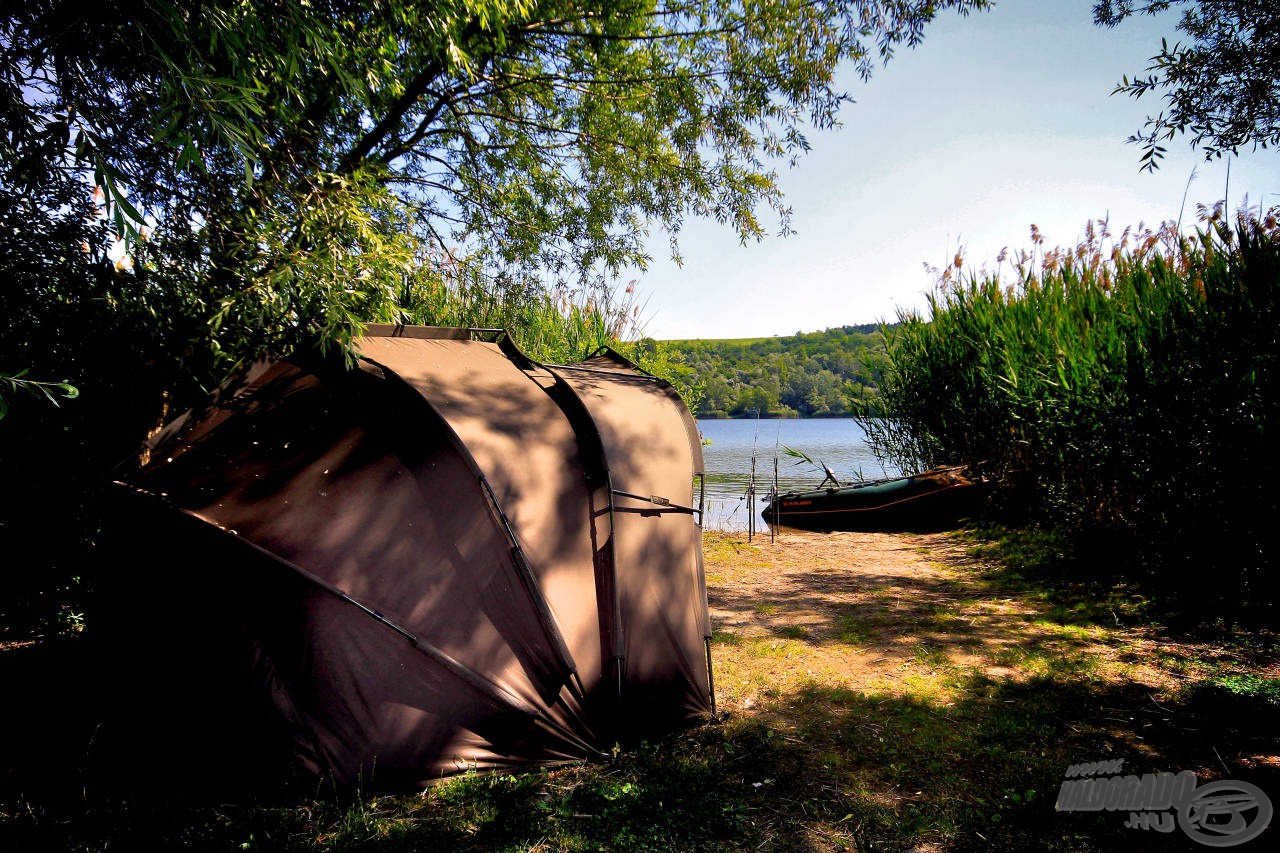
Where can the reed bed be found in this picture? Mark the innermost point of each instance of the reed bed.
(549, 324)
(557, 325)
(1123, 390)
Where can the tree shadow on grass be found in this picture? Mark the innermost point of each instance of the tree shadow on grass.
(983, 769)
(1102, 579)
(817, 768)
(893, 614)
(973, 764)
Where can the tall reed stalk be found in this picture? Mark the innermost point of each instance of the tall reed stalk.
(557, 326)
(1127, 386)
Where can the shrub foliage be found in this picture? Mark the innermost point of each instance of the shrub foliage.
(1124, 387)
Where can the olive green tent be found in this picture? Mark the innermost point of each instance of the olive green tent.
(452, 557)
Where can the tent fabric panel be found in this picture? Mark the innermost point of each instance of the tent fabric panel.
(386, 330)
(611, 363)
(378, 505)
(360, 703)
(522, 442)
(361, 512)
(611, 360)
(656, 549)
(397, 712)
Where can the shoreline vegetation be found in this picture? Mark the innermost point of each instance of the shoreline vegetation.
(1121, 393)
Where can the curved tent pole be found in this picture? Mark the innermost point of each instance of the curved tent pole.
(602, 372)
(494, 692)
(619, 659)
(690, 425)
(546, 618)
(695, 443)
(591, 446)
(605, 349)
(702, 578)
(584, 426)
(517, 356)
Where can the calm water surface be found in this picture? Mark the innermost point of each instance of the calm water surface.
(839, 442)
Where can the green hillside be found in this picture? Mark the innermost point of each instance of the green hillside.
(815, 374)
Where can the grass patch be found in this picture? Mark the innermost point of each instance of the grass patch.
(729, 550)
(726, 638)
(1018, 550)
(853, 629)
(783, 643)
(692, 793)
(1250, 694)
(773, 647)
(1038, 660)
(1073, 588)
(1251, 686)
(930, 656)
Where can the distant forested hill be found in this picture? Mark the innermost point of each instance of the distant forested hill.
(819, 374)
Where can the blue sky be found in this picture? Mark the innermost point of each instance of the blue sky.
(998, 121)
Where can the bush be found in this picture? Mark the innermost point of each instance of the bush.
(1124, 387)
(138, 345)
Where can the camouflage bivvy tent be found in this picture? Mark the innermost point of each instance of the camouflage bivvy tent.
(450, 557)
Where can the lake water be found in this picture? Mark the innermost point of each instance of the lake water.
(839, 442)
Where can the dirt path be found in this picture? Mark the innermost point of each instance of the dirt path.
(881, 596)
(934, 696)
(862, 610)
(896, 614)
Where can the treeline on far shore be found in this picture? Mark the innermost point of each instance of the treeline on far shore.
(815, 374)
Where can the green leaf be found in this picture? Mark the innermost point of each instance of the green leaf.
(129, 210)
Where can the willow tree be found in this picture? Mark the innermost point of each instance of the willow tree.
(296, 161)
(1220, 85)
(186, 185)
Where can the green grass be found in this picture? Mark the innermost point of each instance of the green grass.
(930, 656)
(1249, 686)
(726, 638)
(656, 797)
(853, 629)
(1037, 660)
(840, 768)
(930, 751)
(1075, 588)
(783, 643)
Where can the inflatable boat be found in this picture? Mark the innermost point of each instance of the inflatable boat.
(930, 499)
